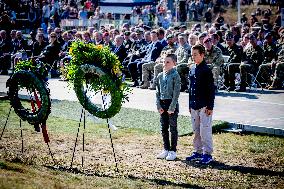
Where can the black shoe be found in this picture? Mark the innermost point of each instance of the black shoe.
(135, 84)
(241, 90)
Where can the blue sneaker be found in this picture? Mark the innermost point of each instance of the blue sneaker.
(206, 159)
(194, 157)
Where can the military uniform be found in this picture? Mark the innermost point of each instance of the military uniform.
(277, 68)
(155, 67)
(214, 59)
(265, 71)
(252, 58)
(233, 64)
(138, 46)
(128, 43)
(183, 54)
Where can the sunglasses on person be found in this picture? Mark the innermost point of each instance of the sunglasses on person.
(53, 36)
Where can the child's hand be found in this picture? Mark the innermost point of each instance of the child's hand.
(170, 112)
(161, 111)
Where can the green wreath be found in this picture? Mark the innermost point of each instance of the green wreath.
(30, 81)
(97, 68)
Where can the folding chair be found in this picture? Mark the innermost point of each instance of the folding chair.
(254, 82)
(221, 78)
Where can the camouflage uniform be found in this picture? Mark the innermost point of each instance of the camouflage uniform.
(214, 59)
(252, 58)
(265, 71)
(183, 53)
(233, 64)
(278, 68)
(147, 68)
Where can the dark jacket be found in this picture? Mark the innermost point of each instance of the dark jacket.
(128, 44)
(51, 53)
(37, 48)
(19, 45)
(235, 53)
(120, 52)
(153, 51)
(5, 47)
(164, 42)
(201, 88)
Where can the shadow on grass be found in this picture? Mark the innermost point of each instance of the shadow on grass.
(242, 169)
(157, 181)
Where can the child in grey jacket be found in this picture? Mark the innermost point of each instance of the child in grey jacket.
(167, 94)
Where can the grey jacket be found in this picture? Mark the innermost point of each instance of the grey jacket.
(168, 87)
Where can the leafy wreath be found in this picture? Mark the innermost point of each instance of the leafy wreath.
(30, 76)
(98, 68)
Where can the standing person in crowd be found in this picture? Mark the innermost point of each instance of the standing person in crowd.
(167, 94)
(208, 16)
(46, 13)
(244, 19)
(32, 17)
(201, 103)
(6, 22)
(220, 19)
(253, 19)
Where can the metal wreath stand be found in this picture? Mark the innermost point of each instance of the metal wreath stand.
(45, 133)
(43, 126)
(83, 114)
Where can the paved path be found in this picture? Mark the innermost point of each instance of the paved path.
(253, 108)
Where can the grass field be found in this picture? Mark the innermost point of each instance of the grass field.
(241, 160)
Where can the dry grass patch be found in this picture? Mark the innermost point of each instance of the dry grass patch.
(241, 161)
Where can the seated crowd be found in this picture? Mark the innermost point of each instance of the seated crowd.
(255, 52)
